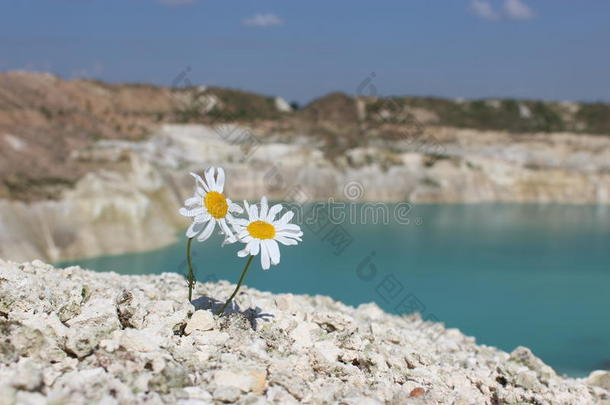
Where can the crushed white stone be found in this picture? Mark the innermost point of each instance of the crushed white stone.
(72, 336)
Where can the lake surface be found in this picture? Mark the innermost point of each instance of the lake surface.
(508, 274)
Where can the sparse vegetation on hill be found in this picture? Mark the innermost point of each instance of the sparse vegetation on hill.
(510, 115)
(239, 105)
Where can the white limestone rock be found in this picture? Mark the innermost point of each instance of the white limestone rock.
(201, 320)
(136, 340)
(282, 105)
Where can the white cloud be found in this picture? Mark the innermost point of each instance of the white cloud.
(517, 10)
(176, 2)
(262, 20)
(484, 10)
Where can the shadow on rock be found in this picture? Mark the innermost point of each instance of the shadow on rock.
(251, 314)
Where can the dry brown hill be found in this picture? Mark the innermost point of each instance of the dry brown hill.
(45, 119)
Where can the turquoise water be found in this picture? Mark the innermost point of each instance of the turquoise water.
(531, 275)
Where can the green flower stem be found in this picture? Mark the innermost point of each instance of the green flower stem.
(190, 277)
(241, 279)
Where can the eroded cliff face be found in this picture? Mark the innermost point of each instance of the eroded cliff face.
(107, 213)
(132, 203)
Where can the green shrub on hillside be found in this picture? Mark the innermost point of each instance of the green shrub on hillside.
(595, 118)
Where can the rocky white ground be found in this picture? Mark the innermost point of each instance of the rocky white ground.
(78, 337)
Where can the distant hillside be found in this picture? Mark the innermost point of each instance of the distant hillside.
(500, 114)
(44, 119)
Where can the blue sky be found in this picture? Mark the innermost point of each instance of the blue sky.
(547, 49)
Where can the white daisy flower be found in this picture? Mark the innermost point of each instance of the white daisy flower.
(261, 232)
(209, 207)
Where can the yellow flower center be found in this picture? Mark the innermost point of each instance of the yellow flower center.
(216, 204)
(261, 230)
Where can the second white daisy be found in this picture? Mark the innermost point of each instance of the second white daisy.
(261, 232)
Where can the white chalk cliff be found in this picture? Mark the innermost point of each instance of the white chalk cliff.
(132, 204)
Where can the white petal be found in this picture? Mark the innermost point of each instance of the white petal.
(200, 181)
(240, 221)
(254, 212)
(253, 246)
(288, 235)
(288, 227)
(264, 207)
(207, 231)
(191, 213)
(285, 240)
(273, 211)
(224, 227)
(220, 179)
(242, 253)
(247, 207)
(205, 217)
(274, 251)
(288, 232)
(265, 262)
(209, 177)
(286, 217)
(227, 241)
(233, 207)
(192, 201)
(194, 229)
(229, 237)
(237, 229)
(282, 229)
(247, 239)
